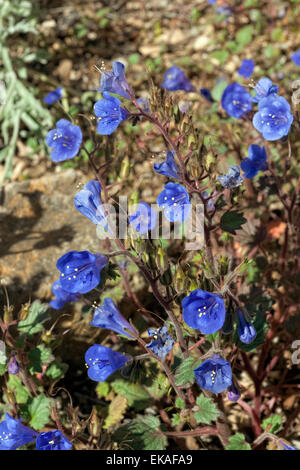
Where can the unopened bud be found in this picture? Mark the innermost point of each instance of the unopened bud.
(8, 314)
(191, 142)
(181, 280)
(185, 123)
(145, 257)
(13, 366)
(24, 311)
(134, 198)
(210, 161)
(161, 259)
(233, 392)
(125, 168)
(223, 265)
(194, 170)
(47, 337)
(9, 394)
(94, 423)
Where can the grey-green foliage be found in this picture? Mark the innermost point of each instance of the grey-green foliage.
(18, 105)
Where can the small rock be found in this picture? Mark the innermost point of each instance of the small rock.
(201, 43)
(152, 51)
(64, 69)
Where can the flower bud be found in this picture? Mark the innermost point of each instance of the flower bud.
(13, 366)
(180, 280)
(247, 332)
(94, 423)
(10, 397)
(125, 168)
(192, 142)
(24, 312)
(223, 265)
(210, 161)
(8, 317)
(161, 259)
(233, 391)
(185, 123)
(194, 170)
(47, 337)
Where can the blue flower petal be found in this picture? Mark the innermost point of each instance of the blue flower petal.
(214, 374)
(204, 311)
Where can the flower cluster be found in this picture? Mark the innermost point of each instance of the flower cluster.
(202, 310)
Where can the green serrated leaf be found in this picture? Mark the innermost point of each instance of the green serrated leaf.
(208, 411)
(272, 424)
(176, 419)
(184, 373)
(38, 314)
(237, 442)
(232, 221)
(179, 403)
(57, 369)
(38, 411)
(142, 433)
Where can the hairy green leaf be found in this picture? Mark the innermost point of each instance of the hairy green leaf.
(208, 411)
(184, 373)
(237, 442)
(232, 221)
